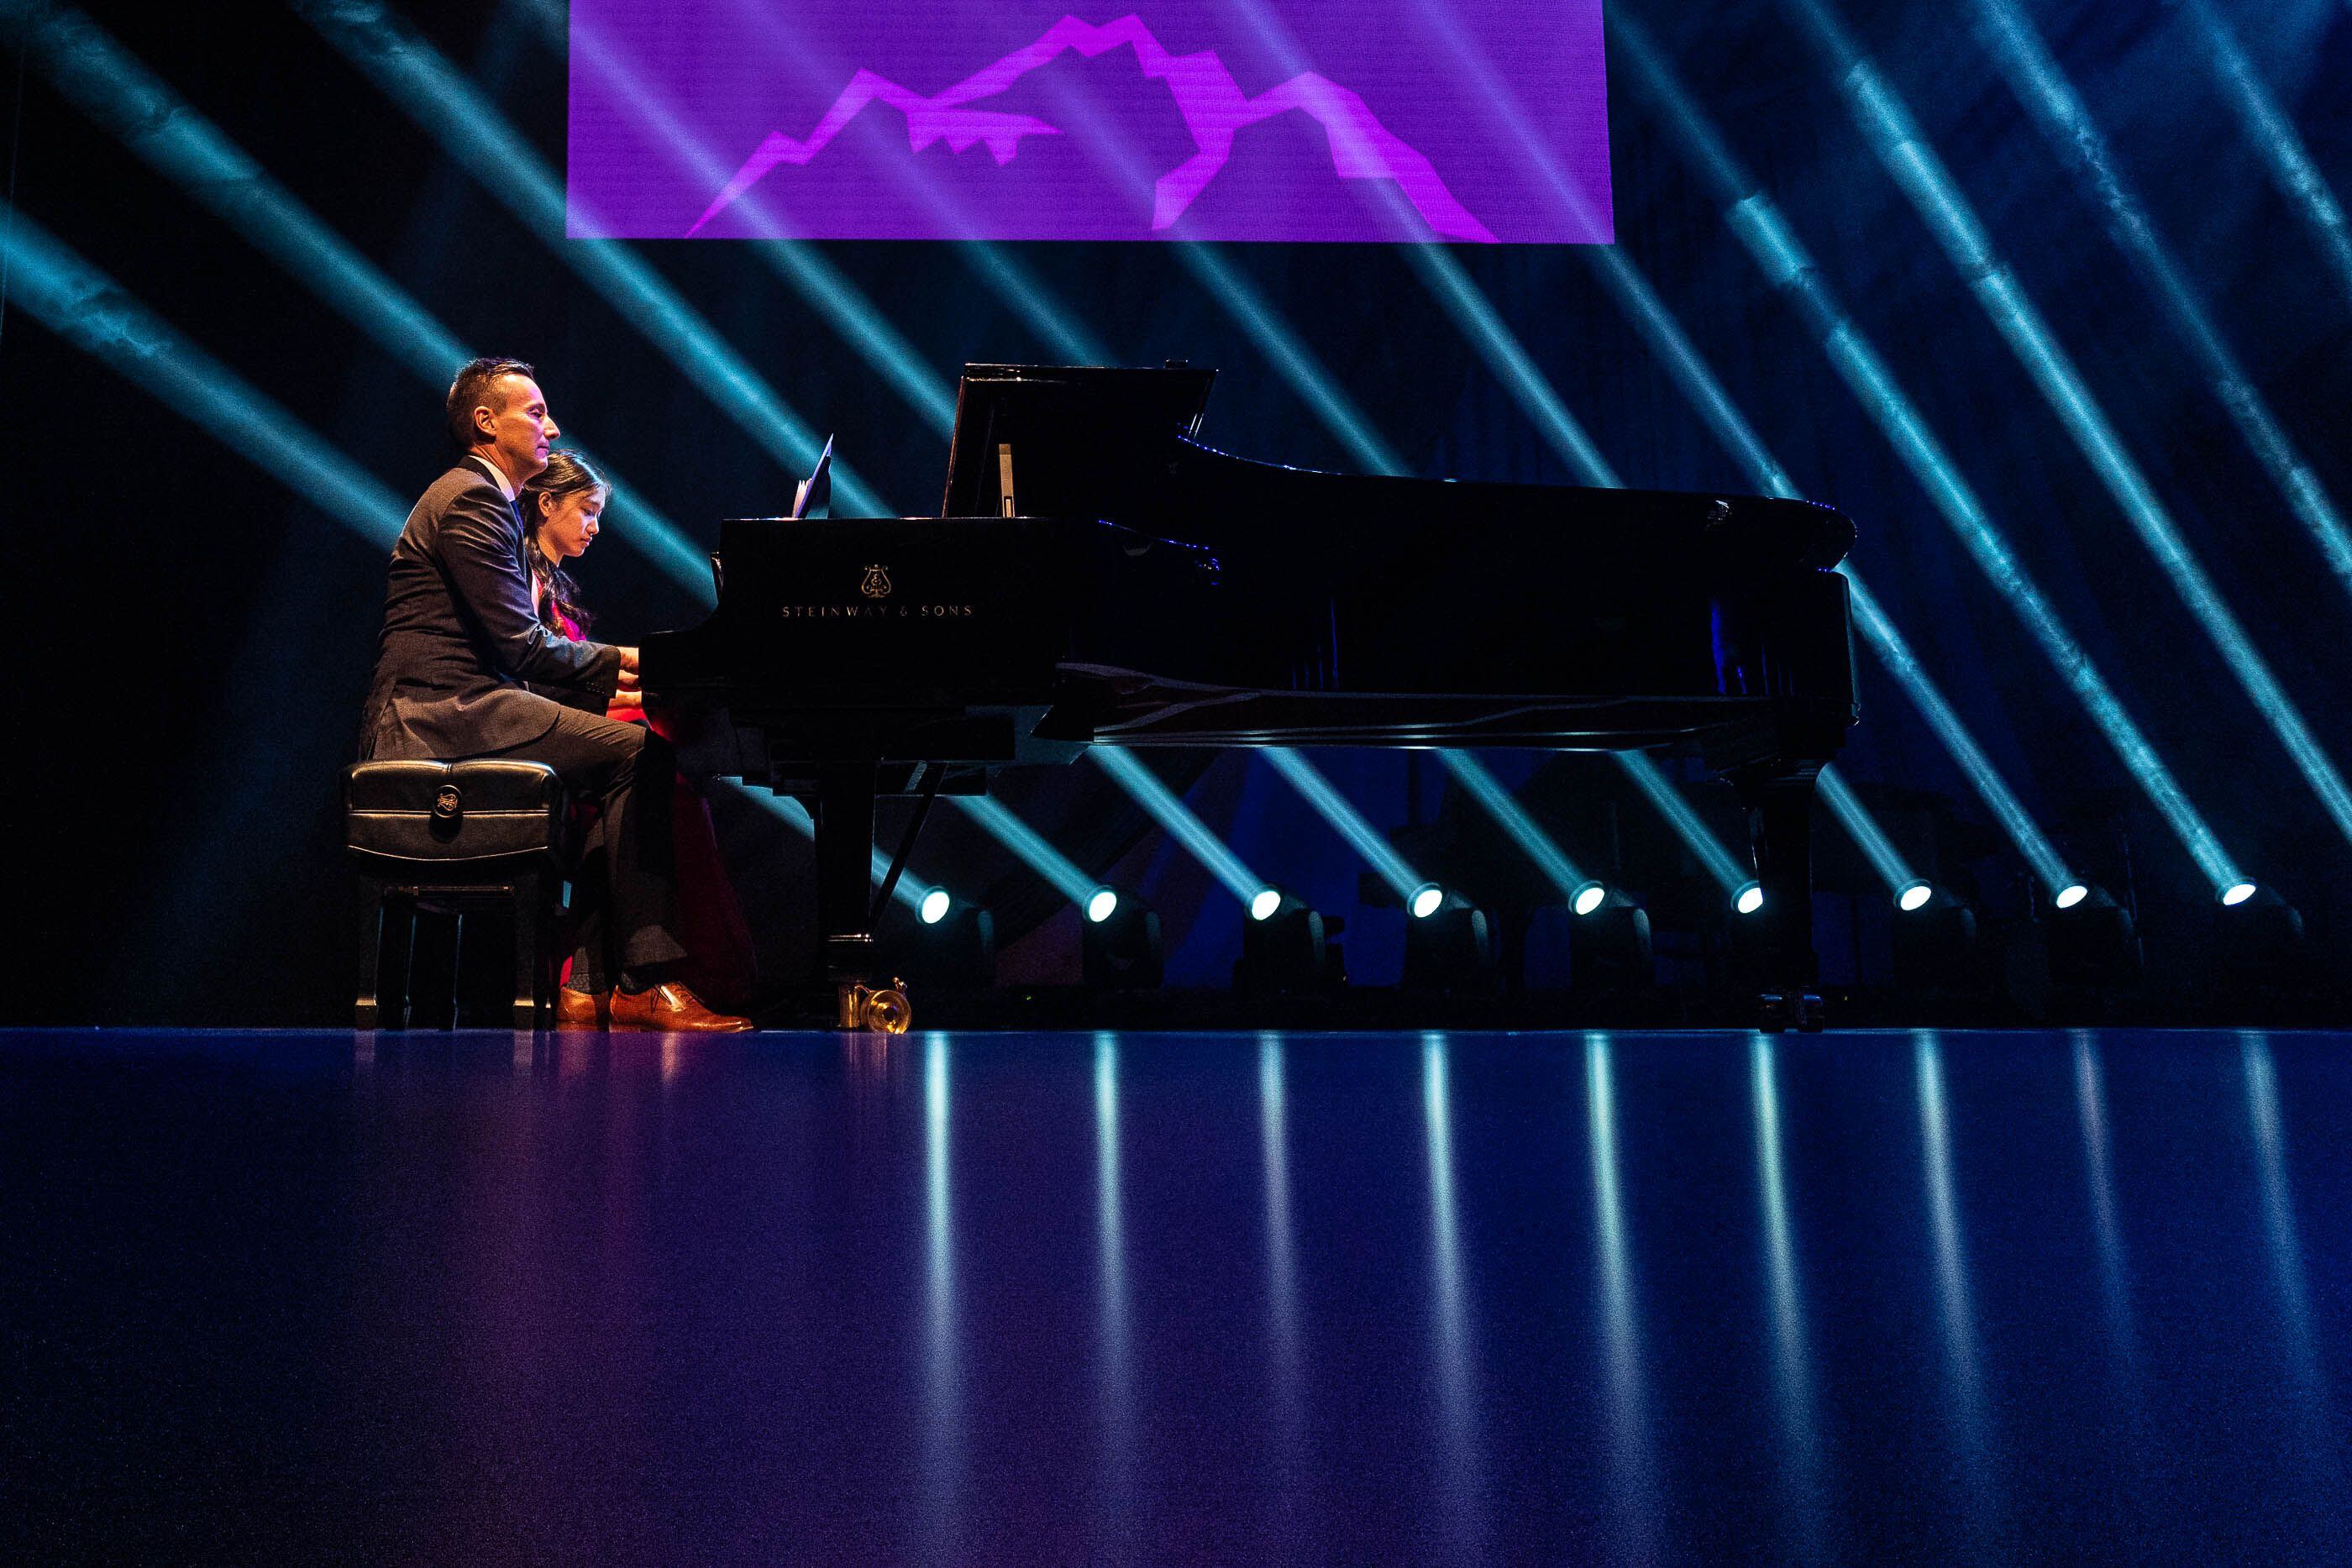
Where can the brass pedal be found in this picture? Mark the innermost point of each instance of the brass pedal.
(881, 1009)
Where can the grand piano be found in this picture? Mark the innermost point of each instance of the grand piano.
(1098, 576)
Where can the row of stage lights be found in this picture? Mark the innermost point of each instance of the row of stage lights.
(1290, 947)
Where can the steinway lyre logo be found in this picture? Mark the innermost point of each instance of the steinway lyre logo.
(877, 582)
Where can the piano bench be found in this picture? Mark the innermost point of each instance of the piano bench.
(446, 838)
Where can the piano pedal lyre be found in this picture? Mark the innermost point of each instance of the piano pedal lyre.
(875, 1010)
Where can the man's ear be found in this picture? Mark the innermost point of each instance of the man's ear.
(485, 423)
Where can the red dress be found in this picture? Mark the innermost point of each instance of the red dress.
(720, 967)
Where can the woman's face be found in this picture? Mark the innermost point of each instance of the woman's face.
(567, 526)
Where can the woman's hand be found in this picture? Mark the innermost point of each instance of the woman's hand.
(634, 702)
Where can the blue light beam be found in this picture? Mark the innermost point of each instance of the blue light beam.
(909, 890)
(2035, 77)
(1639, 300)
(1239, 298)
(1756, 222)
(1915, 167)
(438, 97)
(2275, 141)
(1346, 821)
(1884, 858)
(1292, 360)
(1512, 816)
(1168, 810)
(1719, 862)
(92, 312)
(830, 295)
(114, 89)
(1027, 844)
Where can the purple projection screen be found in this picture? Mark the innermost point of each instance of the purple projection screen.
(1478, 121)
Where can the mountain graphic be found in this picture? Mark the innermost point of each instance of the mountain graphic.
(1211, 103)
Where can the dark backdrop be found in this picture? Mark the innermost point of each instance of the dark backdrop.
(190, 640)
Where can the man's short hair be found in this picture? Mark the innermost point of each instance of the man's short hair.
(472, 391)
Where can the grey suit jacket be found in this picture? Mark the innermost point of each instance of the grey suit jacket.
(460, 641)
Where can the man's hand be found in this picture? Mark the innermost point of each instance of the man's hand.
(629, 663)
(625, 702)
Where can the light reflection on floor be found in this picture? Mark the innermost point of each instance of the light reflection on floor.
(1090, 1298)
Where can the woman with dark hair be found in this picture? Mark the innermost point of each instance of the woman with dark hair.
(563, 510)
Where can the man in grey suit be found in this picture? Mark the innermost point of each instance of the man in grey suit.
(462, 646)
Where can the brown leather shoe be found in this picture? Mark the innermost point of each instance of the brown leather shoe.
(671, 1009)
(581, 1009)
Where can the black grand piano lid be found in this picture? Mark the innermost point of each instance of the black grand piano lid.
(1124, 444)
(1099, 420)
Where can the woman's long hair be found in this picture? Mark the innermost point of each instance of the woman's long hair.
(566, 474)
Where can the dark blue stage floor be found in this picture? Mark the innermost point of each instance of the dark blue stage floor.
(1168, 1298)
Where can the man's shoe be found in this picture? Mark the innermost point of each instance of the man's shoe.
(581, 1009)
(671, 1009)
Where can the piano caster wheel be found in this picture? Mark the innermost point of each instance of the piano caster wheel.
(877, 1010)
(1779, 1011)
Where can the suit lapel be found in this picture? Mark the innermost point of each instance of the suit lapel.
(514, 507)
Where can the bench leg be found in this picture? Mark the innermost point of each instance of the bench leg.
(534, 991)
(367, 1009)
(387, 957)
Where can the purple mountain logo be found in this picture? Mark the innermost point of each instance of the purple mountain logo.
(1213, 105)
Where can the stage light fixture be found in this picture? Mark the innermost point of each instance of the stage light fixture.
(1748, 899)
(2092, 940)
(1609, 942)
(1427, 900)
(1288, 951)
(950, 943)
(1935, 937)
(1121, 946)
(2237, 894)
(1266, 904)
(1758, 223)
(1886, 123)
(1451, 948)
(2258, 939)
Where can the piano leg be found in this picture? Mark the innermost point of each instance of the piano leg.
(844, 860)
(1779, 804)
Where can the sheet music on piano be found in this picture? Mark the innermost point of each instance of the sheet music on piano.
(812, 497)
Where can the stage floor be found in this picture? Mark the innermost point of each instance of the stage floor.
(1177, 1298)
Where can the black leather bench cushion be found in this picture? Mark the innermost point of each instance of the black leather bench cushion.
(446, 812)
